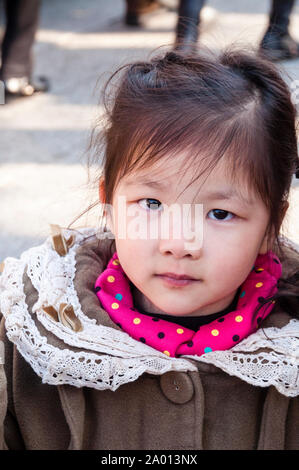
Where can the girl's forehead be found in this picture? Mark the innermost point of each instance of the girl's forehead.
(180, 171)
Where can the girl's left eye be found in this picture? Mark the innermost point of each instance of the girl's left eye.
(221, 214)
(152, 205)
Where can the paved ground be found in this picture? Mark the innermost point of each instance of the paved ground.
(43, 139)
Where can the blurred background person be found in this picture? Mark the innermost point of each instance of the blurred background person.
(21, 21)
(277, 44)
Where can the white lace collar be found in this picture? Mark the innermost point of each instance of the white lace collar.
(105, 358)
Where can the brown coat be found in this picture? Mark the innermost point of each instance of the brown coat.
(202, 409)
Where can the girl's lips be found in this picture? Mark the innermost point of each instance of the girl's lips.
(177, 276)
(176, 282)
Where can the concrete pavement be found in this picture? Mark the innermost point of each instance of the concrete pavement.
(43, 142)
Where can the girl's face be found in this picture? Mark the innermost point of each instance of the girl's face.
(233, 231)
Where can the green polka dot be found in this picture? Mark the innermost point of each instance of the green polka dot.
(118, 296)
(208, 349)
(243, 293)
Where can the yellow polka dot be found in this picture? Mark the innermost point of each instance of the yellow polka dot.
(110, 278)
(215, 332)
(259, 284)
(167, 353)
(115, 305)
(239, 318)
(136, 321)
(115, 262)
(260, 269)
(180, 331)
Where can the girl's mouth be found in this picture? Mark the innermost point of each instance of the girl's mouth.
(176, 282)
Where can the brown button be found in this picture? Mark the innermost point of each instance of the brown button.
(177, 387)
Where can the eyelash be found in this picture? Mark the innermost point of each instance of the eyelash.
(221, 210)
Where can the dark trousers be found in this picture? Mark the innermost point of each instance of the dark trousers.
(21, 26)
(189, 17)
(280, 15)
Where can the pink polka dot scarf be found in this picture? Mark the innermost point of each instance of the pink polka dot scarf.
(113, 290)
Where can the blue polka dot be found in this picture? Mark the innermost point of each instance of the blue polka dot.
(208, 349)
(118, 296)
(242, 294)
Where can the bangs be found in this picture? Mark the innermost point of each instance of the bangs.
(203, 140)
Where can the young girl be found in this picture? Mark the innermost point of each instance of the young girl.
(123, 338)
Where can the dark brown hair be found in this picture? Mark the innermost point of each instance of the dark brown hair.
(234, 105)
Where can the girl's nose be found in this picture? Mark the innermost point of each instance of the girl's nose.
(179, 236)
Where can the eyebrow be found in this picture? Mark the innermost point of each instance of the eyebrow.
(224, 194)
(228, 194)
(145, 182)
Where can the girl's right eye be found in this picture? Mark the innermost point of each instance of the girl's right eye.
(151, 205)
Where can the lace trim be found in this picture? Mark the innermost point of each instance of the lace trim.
(278, 366)
(112, 358)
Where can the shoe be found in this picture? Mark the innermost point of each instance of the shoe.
(186, 41)
(277, 47)
(23, 86)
